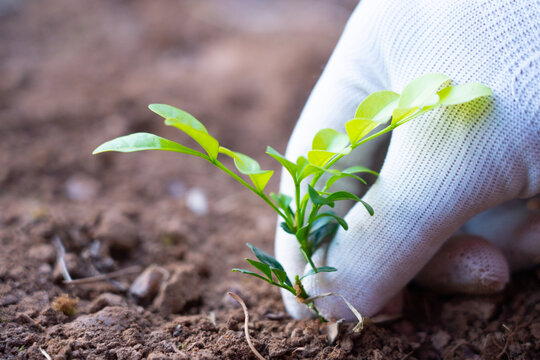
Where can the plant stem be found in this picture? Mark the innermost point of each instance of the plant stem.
(243, 182)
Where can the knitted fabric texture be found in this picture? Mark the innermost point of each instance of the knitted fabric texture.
(441, 169)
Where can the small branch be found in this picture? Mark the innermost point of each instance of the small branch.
(91, 279)
(246, 325)
(60, 254)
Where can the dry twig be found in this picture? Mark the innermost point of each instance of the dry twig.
(246, 324)
(91, 279)
(47, 356)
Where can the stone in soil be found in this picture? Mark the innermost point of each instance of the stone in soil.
(146, 285)
(181, 289)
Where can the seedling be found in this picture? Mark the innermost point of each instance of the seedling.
(307, 216)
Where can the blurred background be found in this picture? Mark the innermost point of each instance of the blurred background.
(74, 74)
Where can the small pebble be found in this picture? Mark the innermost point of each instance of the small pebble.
(196, 201)
(80, 188)
(178, 330)
(146, 285)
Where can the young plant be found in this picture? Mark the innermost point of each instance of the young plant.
(307, 216)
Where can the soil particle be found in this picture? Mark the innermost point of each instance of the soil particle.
(118, 232)
(177, 292)
(106, 299)
(147, 284)
(43, 253)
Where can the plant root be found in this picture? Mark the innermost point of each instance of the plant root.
(360, 318)
(246, 325)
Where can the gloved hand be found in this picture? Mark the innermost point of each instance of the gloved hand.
(441, 169)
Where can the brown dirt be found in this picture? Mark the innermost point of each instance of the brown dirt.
(73, 74)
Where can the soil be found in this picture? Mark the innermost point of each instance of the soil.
(74, 74)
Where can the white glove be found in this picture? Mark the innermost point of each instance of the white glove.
(441, 169)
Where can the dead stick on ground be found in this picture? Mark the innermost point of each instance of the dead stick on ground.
(60, 254)
(246, 325)
(91, 279)
(47, 356)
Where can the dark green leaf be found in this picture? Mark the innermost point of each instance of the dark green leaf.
(286, 228)
(281, 275)
(326, 232)
(319, 270)
(244, 271)
(318, 199)
(265, 257)
(333, 215)
(265, 269)
(368, 207)
(342, 195)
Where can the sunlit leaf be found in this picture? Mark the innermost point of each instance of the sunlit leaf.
(320, 157)
(400, 114)
(305, 169)
(359, 128)
(330, 140)
(170, 112)
(422, 91)
(250, 167)
(265, 269)
(287, 164)
(378, 106)
(265, 258)
(144, 141)
(317, 199)
(319, 270)
(459, 94)
(206, 141)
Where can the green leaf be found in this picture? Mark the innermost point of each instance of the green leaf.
(265, 258)
(286, 228)
(459, 94)
(359, 169)
(330, 140)
(170, 112)
(207, 142)
(282, 277)
(250, 167)
(302, 232)
(317, 199)
(248, 272)
(342, 195)
(323, 233)
(305, 169)
(341, 175)
(144, 141)
(400, 114)
(265, 269)
(283, 201)
(359, 127)
(287, 164)
(320, 157)
(368, 207)
(319, 270)
(333, 215)
(422, 91)
(378, 106)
